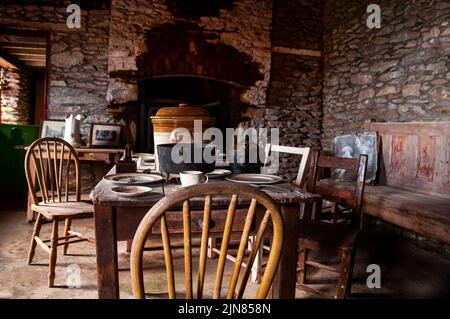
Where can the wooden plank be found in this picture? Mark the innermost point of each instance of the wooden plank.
(411, 128)
(441, 174)
(425, 157)
(421, 213)
(106, 251)
(398, 152)
(412, 143)
(385, 162)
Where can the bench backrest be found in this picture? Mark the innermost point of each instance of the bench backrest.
(414, 155)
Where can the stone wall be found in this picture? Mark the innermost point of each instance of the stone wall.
(243, 25)
(79, 78)
(16, 104)
(294, 102)
(79, 60)
(399, 72)
(79, 57)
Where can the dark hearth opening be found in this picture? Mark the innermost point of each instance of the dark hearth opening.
(221, 99)
(186, 64)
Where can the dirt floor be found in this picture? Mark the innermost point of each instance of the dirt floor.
(407, 271)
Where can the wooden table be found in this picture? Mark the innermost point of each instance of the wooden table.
(117, 218)
(106, 156)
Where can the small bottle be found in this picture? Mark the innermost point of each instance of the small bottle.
(126, 165)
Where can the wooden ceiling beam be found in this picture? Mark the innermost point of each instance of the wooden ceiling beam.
(27, 51)
(6, 64)
(35, 64)
(12, 59)
(23, 45)
(20, 56)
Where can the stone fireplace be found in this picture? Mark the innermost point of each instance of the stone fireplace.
(162, 53)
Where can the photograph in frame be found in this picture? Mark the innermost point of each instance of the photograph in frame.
(105, 135)
(53, 128)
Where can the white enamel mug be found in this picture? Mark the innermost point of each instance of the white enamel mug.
(189, 178)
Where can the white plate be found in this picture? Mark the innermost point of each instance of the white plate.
(254, 178)
(217, 173)
(131, 191)
(133, 178)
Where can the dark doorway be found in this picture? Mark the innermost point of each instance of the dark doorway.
(24, 54)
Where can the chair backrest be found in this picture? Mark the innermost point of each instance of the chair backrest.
(358, 165)
(257, 200)
(303, 151)
(51, 159)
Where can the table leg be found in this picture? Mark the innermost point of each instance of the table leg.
(106, 251)
(285, 278)
(30, 213)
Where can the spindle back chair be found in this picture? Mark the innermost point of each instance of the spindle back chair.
(52, 159)
(183, 196)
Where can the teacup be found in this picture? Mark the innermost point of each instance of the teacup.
(189, 178)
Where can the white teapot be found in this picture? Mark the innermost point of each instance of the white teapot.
(72, 129)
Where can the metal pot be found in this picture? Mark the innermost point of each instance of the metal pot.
(174, 161)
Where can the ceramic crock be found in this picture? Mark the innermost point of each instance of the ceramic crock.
(172, 123)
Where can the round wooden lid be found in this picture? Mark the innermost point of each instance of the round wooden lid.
(182, 110)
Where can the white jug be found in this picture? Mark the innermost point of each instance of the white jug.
(72, 129)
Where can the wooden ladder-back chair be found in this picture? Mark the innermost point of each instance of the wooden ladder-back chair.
(157, 214)
(52, 160)
(316, 234)
(270, 151)
(303, 151)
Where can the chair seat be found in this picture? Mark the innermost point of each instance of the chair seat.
(64, 209)
(316, 234)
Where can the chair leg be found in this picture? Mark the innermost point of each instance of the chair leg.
(318, 210)
(345, 275)
(257, 263)
(67, 224)
(36, 231)
(302, 256)
(129, 244)
(333, 212)
(212, 243)
(53, 253)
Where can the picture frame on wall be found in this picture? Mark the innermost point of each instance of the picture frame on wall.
(105, 135)
(53, 128)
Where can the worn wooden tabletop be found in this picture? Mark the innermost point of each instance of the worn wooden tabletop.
(284, 193)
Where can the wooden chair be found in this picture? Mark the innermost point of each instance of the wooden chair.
(157, 215)
(52, 159)
(317, 234)
(303, 151)
(270, 151)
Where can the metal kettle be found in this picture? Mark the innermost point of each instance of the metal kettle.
(72, 129)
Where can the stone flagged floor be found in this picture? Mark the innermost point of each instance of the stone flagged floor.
(407, 271)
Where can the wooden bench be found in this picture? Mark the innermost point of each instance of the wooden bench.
(413, 189)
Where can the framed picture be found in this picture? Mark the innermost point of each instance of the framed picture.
(53, 128)
(105, 135)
